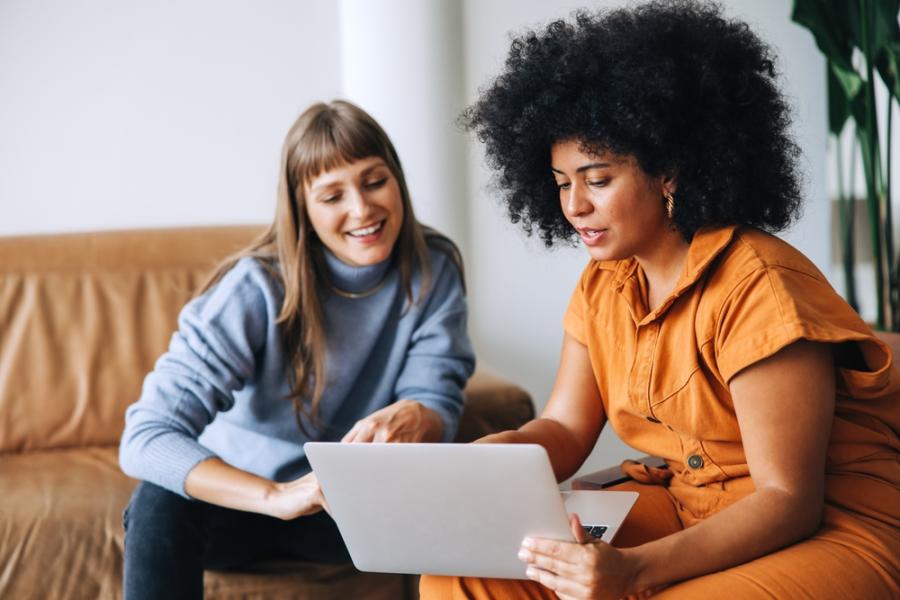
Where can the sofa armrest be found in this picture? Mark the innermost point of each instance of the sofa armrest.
(492, 404)
(599, 480)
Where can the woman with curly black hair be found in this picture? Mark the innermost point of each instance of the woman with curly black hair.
(657, 136)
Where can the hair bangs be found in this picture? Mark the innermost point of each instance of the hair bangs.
(333, 138)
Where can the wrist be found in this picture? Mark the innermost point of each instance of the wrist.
(270, 499)
(636, 568)
(427, 421)
(510, 436)
(435, 425)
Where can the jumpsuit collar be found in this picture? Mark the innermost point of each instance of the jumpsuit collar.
(631, 283)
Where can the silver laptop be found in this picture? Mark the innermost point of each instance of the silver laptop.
(452, 509)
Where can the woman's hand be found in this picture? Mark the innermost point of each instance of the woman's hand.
(586, 569)
(296, 498)
(402, 421)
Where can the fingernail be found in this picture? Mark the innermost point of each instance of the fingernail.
(528, 542)
(531, 572)
(524, 555)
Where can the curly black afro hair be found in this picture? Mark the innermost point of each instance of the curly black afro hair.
(673, 83)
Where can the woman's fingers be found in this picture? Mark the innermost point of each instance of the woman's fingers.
(576, 570)
(369, 429)
(403, 421)
(581, 536)
(579, 562)
(350, 435)
(552, 564)
(299, 498)
(563, 586)
(362, 432)
(563, 554)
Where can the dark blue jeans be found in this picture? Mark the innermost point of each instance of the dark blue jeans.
(170, 540)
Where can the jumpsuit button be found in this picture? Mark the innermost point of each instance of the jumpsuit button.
(653, 419)
(695, 461)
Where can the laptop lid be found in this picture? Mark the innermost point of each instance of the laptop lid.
(450, 509)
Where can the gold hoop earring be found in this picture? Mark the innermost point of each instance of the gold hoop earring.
(670, 204)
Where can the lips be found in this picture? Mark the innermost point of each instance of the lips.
(367, 230)
(590, 236)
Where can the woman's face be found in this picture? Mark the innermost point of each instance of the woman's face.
(356, 210)
(618, 209)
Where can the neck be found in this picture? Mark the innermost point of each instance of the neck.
(353, 281)
(663, 264)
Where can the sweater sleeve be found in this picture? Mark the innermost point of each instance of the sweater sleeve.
(212, 354)
(440, 359)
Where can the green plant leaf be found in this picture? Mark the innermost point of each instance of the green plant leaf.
(834, 25)
(885, 29)
(858, 112)
(888, 65)
(850, 81)
(838, 101)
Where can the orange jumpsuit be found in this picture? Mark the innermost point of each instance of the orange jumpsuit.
(663, 376)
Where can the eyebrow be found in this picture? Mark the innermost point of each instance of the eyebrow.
(362, 173)
(582, 168)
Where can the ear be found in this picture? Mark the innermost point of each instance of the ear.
(669, 182)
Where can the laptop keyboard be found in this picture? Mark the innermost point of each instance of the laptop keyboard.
(595, 531)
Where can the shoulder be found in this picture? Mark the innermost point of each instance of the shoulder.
(444, 259)
(760, 272)
(249, 283)
(442, 251)
(753, 250)
(764, 286)
(768, 269)
(444, 284)
(764, 295)
(601, 277)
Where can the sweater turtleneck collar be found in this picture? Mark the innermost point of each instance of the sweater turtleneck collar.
(353, 279)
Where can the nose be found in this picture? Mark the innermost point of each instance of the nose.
(359, 203)
(575, 202)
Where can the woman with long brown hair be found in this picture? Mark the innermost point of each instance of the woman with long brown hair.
(345, 320)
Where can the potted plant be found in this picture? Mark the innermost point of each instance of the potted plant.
(860, 38)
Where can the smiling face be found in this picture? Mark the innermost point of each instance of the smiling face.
(356, 210)
(617, 209)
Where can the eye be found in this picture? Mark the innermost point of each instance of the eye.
(330, 199)
(564, 185)
(598, 182)
(375, 184)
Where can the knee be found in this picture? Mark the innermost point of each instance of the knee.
(153, 509)
(436, 587)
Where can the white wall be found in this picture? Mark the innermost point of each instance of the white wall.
(414, 87)
(119, 113)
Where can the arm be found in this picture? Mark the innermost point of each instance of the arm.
(573, 418)
(212, 355)
(217, 482)
(785, 406)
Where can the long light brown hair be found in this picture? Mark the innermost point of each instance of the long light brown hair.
(325, 136)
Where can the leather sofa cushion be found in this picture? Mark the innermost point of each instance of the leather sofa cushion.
(61, 537)
(61, 524)
(83, 317)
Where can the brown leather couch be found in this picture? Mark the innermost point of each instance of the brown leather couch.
(83, 317)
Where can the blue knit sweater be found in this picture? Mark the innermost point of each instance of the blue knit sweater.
(221, 388)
